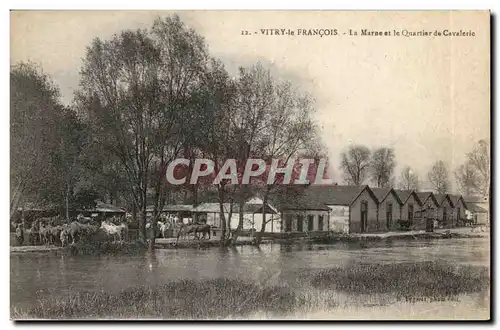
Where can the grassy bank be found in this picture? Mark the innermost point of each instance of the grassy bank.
(408, 280)
(322, 290)
(103, 246)
(207, 299)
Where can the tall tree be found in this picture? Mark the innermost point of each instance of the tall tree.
(408, 179)
(382, 166)
(35, 110)
(275, 122)
(213, 133)
(135, 91)
(72, 141)
(438, 177)
(479, 160)
(467, 179)
(473, 177)
(355, 163)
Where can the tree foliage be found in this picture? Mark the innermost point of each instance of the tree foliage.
(438, 177)
(408, 179)
(46, 139)
(473, 177)
(355, 163)
(135, 93)
(382, 166)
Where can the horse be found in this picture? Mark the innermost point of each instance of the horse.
(164, 227)
(76, 229)
(84, 220)
(33, 232)
(44, 232)
(203, 228)
(120, 231)
(186, 229)
(64, 235)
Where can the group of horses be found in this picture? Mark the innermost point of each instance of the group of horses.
(172, 223)
(60, 231)
(194, 228)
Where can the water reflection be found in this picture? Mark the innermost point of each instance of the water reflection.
(276, 264)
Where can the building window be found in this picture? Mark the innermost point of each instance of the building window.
(310, 222)
(300, 223)
(364, 206)
(320, 223)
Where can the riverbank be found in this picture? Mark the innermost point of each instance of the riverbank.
(170, 243)
(322, 293)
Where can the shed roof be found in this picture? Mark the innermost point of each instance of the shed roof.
(476, 208)
(403, 194)
(317, 197)
(248, 208)
(104, 208)
(382, 193)
(475, 199)
(424, 195)
(173, 208)
(455, 199)
(37, 206)
(442, 197)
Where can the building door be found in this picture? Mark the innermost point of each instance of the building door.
(310, 222)
(364, 216)
(429, 224)
(288, 223)
(389, 215)
(410, 215)
(320, 223)
(300, 223)
(445, 218)
(458, 216)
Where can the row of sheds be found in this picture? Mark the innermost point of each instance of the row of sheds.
(358, 209)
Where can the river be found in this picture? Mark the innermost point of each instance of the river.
(36, 274)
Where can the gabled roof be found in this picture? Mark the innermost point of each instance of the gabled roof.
(382, 193)
(343, 195)
(442, 197)
(456, 199)
(476, 208)
(424, 195)
(404, 195)
(317, 197)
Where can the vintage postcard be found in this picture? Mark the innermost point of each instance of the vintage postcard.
(229, 165)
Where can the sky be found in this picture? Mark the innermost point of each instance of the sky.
(426, 97)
